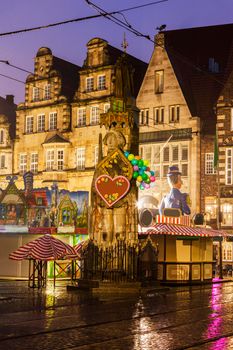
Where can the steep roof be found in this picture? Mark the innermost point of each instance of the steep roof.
(8, 108)
(200, 59)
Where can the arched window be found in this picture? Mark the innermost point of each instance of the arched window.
(1, 136)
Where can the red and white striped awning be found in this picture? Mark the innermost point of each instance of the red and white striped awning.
(178, 230)
(44, 248)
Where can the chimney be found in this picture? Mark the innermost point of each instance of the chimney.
(28, 183)
(10, 99)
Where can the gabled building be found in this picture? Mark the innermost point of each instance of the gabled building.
(178, 100)
(58, 125)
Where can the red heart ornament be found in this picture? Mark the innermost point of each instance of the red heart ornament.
(112, 190)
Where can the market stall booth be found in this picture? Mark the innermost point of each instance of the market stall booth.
(185, 252)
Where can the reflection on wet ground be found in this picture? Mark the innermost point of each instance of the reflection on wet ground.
(197, 318)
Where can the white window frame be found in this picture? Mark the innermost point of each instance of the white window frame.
(29, 124)
(34, 162)
(60, 159)
(41, 122)
(159, 81)
(50, 159)
(2, 136)
(80, 158)
(209, 164)
(101, 82)
(53, 121)
(89, 84)
(22, 163)
(158, 115)
(2, 161)
(35, 93)
(95, 115)
(47, 92)
(229, 164)
(174, 114)
(81, 116)
(144, 116)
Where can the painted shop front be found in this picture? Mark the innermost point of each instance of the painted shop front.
(28, 214)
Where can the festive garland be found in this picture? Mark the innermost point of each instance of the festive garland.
(144, 177)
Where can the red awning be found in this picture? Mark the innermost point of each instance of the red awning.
(178, 230)
(44, 248)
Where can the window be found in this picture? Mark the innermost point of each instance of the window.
(34, 162)
(159, 81)
(144, 117)
(94, 115)
(22, 163)
(90, 84)
(66, 216)
(29, 125)
(41, 122)
(81, 158)
(96, 155)
(174, 114)
(106, 107)
(1, 136)
(166, 154)
(60, 159)
(229, 165)
(211, 207)
(184, 169)
(53, 121)
(165, 170)
(227, 217)
(101, 82)
(2, 161)
(35, 94)
(184, 153)
(81, 117)
(50, 160)
(158, 115)
(147, 153)
(47, 92)
(175, 153)
(209, 164)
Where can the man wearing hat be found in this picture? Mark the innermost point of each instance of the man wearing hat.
(175, 199)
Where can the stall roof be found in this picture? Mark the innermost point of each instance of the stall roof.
(179, 230)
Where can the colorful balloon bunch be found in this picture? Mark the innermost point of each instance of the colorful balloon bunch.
(144, 177)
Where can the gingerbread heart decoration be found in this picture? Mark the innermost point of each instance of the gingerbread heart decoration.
(112, 190)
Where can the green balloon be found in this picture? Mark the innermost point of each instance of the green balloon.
(144, 177)
(135, 174)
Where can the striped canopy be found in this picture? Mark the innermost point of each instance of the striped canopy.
(44, 248)
(178, 230)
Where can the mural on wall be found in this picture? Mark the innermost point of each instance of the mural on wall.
(43, 210)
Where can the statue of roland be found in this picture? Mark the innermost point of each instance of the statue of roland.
(175, 198)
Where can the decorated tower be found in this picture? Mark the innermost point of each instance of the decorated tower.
(114, 191)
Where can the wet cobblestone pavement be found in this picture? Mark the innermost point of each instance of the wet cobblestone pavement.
(195, 318)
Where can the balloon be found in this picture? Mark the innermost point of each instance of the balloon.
(146, 162)
(141, 187)
(135, 174)
(126, 153)
(139, 178)
(152, 184)
(152, 173)
(144, 168)
(135, 168)
(148, 168)
(147, 186)
(134, 161)
(144, 177)
(152, 179)
(140, 163)
(147, 180)
(137, 157)
(130, 157)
